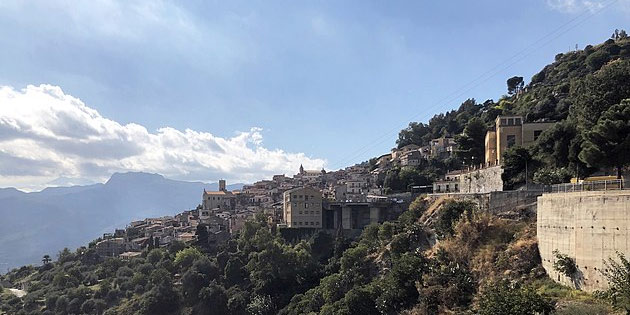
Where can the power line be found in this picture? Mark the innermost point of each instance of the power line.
(522, 54)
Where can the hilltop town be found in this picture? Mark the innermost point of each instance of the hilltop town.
(349, 199)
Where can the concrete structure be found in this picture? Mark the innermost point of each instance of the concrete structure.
(588, 226)
(354, 215)
(510, 131)
(482, 180)
(303, 208)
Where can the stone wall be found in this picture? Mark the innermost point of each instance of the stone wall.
(481, 181)
(498, 202)
(589, 227)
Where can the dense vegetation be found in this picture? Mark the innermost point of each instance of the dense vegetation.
(481, 264)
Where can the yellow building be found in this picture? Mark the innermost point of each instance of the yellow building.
(510, 131)
(303, 208)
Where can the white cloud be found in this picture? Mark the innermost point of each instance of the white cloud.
(46, 134)
(578, 6)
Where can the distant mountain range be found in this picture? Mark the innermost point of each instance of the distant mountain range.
(38, 223)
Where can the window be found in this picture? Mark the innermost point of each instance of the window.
(517, 120)
(511, 140)
(503, 121)
(306, 205)
(510, 121)
(537, 134)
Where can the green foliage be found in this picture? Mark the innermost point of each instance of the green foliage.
(450, 123)
(596, 93)
(618, 275)
(187, 256)
(516, 161)
(564, 264)
(471, 143)
(551, 175)
(515, 84)
(608, 143)
(597, 59)
(508, 299)
(450, 213)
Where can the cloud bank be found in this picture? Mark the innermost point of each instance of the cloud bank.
(46, 134)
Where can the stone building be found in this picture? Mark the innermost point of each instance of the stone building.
(303, 208)
(222, 199)
(111, 247)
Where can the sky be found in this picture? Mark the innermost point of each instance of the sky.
(242, 90)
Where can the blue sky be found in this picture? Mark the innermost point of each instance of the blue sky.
(324, 82)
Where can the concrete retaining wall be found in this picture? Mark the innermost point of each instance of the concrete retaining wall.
(589, 227)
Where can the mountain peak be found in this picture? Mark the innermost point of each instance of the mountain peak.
(134, 177)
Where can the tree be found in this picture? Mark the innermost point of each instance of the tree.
(213, 299)
(202, 235)
(517, 161)
(186, 257)
(599, 91)
(608, 143)
(618, 275)
(471, 143)
(515, 85)
(597, 59)
(64, 256)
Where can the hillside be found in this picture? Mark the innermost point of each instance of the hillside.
(576, 90)
(45, 222)
(394, 267)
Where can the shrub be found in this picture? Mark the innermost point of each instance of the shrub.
(504, 298)
(564, 264)
(187, 256)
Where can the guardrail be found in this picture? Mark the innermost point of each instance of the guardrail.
(613, 184)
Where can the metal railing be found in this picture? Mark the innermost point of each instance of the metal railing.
(613, 184)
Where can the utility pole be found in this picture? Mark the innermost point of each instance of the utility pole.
(526, 173)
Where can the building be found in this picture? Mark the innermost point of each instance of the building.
(442, 147)
(222, 199)
(303, 208)
(397, 153)
(111, 247)
(411, 158)
(511, 131)
(449, 184)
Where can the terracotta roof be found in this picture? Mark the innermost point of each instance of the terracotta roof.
(217, 193)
